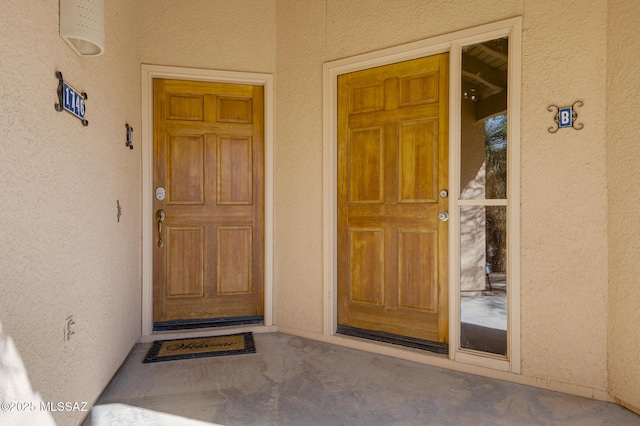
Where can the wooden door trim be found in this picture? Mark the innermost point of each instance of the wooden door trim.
(149, 72)
(427, 47)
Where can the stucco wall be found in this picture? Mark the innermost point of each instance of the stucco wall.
(624, 200)
(564, 210)
(563, 224)
(564, 201)
(301, 45)
(63, 252)
(224, 35)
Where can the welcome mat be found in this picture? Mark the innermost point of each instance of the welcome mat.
(201, 347)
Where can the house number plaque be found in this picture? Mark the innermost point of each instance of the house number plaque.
(70, 100)
(565, 117)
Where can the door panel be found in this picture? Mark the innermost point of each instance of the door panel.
(420, 88)
(186, 169)
(366, 171)
(233, 110)
(418, 156)
(366, 98)
(234, 261)
(209, 155)
(235, 178)
(183, 106)
(392, 164)
(418, 275)
(185, 262)
(367, 274)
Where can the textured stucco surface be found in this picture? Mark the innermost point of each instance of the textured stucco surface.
(563, 194)
(355, 27)
(63, 251)
(623, 157)
(564, 220)
(564, 211)
(298, 164)
(65, 254)
(226, 35)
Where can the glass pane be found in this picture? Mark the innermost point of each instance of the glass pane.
(483, 283)
(483, 156)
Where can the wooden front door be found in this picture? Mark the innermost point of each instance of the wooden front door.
(392, 165)
(208, 160)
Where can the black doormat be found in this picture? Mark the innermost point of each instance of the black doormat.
(201, 347)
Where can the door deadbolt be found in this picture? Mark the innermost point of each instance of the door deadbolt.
(444, 193)
(160, 193)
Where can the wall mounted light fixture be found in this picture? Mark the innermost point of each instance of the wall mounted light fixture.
(82, 26)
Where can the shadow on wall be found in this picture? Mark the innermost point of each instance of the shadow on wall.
(20, 404)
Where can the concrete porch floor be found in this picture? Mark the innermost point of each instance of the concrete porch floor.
(296, 381)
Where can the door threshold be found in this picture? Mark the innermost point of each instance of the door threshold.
(207, 323)
(394, 339)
